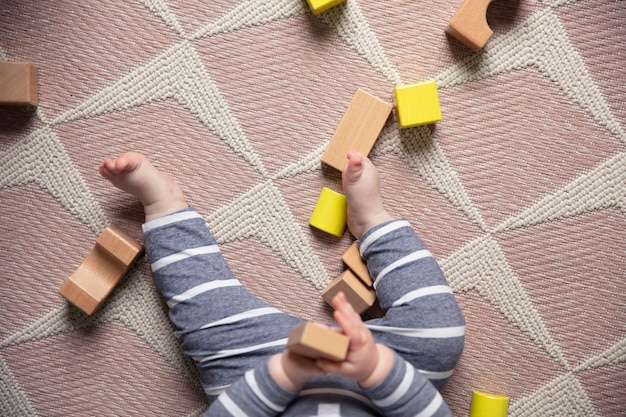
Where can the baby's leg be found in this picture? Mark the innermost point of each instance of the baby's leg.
(423, 322)
(222, 327)
(362, 188)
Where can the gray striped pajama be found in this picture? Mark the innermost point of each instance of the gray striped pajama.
(230, 334)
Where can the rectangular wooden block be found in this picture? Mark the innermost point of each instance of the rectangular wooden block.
(18, 84)
(315, 341)
(358, 130)
(357, 293)
(353, 260)
(101, 270)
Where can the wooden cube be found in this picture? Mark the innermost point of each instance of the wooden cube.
(417, 104)
(358, 130)
(360, 296)
(101, 270)
(319, 6)
(18, 84)
(469, 25)
(353, 260)
(315, 341)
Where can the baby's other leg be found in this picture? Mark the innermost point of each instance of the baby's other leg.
(222, 327)
(423, 321)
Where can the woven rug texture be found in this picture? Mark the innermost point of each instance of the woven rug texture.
(519, 191)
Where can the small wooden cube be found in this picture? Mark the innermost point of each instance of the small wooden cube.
(360, 296)
(358, 130)
(101, 270)
(18, 84)
(319, 6)
(353, 260)
(417, 104)
(469, 25)
(315, 341)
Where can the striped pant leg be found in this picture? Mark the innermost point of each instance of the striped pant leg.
(221, 326)
(423, 321)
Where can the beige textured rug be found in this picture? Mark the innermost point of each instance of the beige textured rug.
(519, 191)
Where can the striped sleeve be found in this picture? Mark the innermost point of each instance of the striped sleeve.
(407, 393)
(256, 394)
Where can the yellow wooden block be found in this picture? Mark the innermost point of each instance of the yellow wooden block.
(330, 212)
(417, 104)
(488, 405)
(319, 6)
(315, 341)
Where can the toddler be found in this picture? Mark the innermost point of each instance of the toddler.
(395, 365)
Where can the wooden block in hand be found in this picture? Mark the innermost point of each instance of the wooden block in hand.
(315, 341)
(358, 130)
(101, 270)
(469, 24)
(360, 296)
(353, 260)
(18, 84)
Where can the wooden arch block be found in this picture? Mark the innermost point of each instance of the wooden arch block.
(103, 268)
(469, 24)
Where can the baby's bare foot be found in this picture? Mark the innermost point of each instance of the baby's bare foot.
(361, 185)
(135, 174)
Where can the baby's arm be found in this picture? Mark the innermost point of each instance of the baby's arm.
(367, 362)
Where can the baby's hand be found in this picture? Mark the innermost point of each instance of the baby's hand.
(291, 371)
(367, 362)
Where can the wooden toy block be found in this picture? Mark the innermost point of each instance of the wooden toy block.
(18, 84)
(330, 212)
(101, 270)
(358, 130)
(319, 6)
(417, 104)
(358, 294)
(353, 260)
(315, 341)
(469, 24)
(488, 405)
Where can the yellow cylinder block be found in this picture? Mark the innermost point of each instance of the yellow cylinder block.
(330, 212)
(488, 405)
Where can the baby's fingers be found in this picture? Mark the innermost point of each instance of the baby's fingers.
(348, 319)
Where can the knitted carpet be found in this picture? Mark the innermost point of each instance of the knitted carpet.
(519, 191)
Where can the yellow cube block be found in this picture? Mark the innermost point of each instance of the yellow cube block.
(319, 6)
(417, 104)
